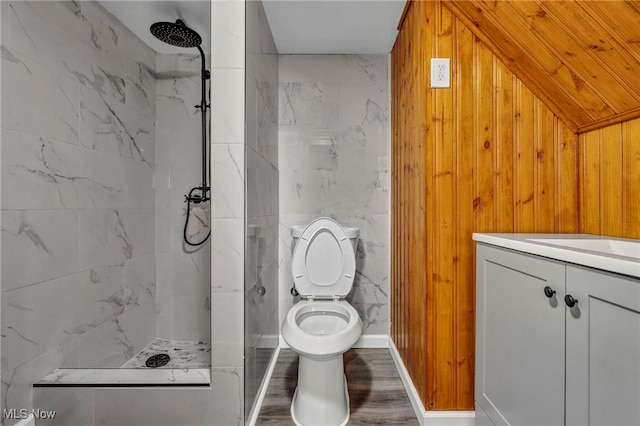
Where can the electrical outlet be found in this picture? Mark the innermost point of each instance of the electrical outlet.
(440, 72)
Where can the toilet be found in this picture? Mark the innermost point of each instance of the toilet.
(323, 325)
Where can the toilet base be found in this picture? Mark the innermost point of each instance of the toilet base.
(293, 408)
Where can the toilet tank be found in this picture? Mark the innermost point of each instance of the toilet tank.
(352, 233)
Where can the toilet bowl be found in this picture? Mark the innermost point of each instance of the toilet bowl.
(322, 326)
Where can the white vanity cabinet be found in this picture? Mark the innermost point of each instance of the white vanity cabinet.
(540, 362)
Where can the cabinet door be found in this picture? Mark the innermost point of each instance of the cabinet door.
(603, 349)
(519, 338)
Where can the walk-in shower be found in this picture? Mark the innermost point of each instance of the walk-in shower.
(180, 35)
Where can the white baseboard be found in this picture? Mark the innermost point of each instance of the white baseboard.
(428, 418)
(255, 411)
(370, 341)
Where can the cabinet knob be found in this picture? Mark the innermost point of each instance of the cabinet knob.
(570, 301)
(548, 292)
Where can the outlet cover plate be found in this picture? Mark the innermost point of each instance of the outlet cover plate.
(440, 72)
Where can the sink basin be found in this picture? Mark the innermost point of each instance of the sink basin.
(602, 245)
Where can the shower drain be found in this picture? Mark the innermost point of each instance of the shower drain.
(157, 360)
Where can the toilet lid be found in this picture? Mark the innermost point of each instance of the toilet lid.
(323, 262)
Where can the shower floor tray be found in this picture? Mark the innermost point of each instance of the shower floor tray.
(182, 354)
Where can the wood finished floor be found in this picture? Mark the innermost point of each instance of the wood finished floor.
(376, 393)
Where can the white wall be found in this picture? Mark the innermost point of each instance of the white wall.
(334, 161)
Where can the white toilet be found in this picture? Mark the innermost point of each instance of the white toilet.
(322, 326)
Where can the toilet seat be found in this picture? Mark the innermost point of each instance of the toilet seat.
(323, 263)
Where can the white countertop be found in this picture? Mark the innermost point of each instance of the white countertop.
(582, 249)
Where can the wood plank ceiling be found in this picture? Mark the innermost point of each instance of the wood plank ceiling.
(581, 58)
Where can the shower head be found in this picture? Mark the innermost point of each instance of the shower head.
(176, 34)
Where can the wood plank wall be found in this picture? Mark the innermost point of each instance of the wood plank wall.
(610, 180)
(485, 155)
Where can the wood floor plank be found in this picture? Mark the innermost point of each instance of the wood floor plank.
(376, 393)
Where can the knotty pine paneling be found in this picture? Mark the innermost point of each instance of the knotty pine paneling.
(485, 155)
(610, 180)
(580, 57)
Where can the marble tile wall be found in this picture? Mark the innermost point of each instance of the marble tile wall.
(261, 246)
(182, 271)
(78, 149)
(334, 161)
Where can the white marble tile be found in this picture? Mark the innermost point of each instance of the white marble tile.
(165, 307)
(37, 101)
(176, 98)
(139, 231)
(16, 384)
(349, 191)
(183, 295)
(308, 148)
(300, 192)
(109, 36)
(104, 346)
(39, 245)
(192, 318)
(138, 185)
(262, 186)
(171, 406)
(227, 330)
(178, 141)
(371, 69)
(73, 406)
(139, 281)
(375, 317)
(227, 255)
(188, 273)
(59, 175)
(352, 149)
(227, 170)
(116, 341)
(52, 33)
(227, 109)
(3, 329)
(228, 36)
(115, 376)
(136, 328)
(109, 124)
(140, 87)
(300, 103)
(103, 238)
(177, 65)
(96, 296)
